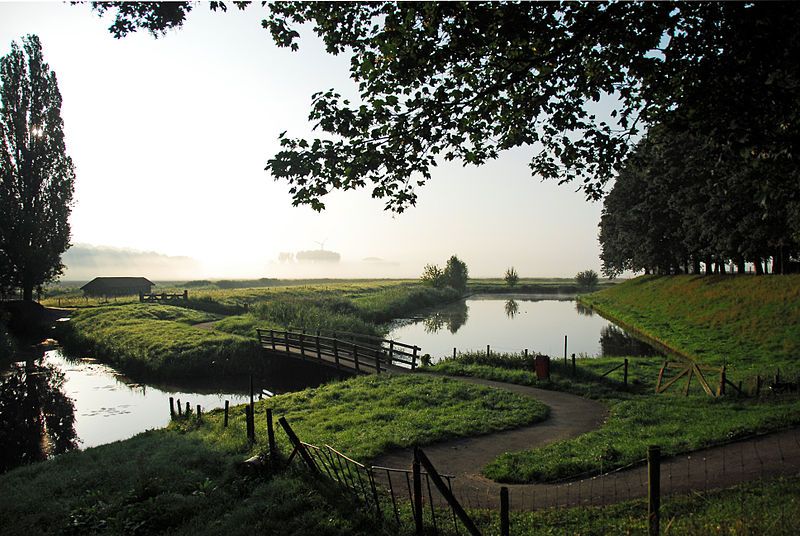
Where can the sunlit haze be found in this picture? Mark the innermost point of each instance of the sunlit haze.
(170, 137)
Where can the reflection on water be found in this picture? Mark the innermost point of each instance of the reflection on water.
(616, 341)
(37, 418)
(512, 323)
(452, 316)
(512, 308)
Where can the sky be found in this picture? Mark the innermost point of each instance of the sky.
(170, 137)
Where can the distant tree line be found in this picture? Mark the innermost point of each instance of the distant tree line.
(684, 203)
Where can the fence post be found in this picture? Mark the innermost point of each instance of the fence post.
(251, 430)
(526, 353)
(319, 351)
(653, 489)
(355, 358)
(454, 352)
(414, 358)
(302, 345)
(187, 409)
(225, 419)
(286, 339)
(199, 412)
(417, 477)
(488, 351)
(722, 379)
(185, 295)
(504, 520)
(625, 372)
(179, 408)
(336, 351)
(391, 351)
(272, 337)
(574, 369)
(565, 350)
(171, 408)
(270, 436)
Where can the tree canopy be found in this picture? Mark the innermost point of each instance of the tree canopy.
(36, 175)
(443, 81)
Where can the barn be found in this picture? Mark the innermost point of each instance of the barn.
(117, 286)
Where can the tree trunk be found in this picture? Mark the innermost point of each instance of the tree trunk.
(740, 267)
(777, 262)
(709, 267)
(695, 266)
(721, 267)
(759, 266)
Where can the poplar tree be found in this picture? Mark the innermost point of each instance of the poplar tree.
(36, 175)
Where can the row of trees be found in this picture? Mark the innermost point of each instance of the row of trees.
(684, 203)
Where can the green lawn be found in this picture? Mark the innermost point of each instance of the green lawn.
(183, 479)
(750, 323)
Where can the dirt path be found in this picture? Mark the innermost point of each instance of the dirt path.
(768, 456)
(205, 325)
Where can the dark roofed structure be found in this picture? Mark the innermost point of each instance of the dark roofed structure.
(117, 286)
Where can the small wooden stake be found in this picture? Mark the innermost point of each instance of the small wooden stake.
(565, 350)
(625, 373)
(504, 520)
(171, 408)
(225, 420)
(188, 411)
(653, 488)
(488, 351)
(454, 353)
(179, 408)
(574, 368)
(199, 412)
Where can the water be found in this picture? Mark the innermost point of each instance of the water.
(54, 404)
(510, 323)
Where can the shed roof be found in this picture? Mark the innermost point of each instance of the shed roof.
(116, 282)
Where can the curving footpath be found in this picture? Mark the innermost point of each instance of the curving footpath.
(776, 454)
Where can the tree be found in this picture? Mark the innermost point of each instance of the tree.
(36, 175)
(456, 273)
(587, 280)
(468, 80)
(433, 275)
(511, 277)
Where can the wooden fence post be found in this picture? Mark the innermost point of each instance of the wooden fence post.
(187, 409)
(286, 340)
(302, 345)
(526, 353)
(272, 338)
(504, 518)
(414, 358)
(625, 373)
(319, 351)
(355, 358)
(565, 350)
(171, 408)
(251, 429)
(179, 408)
(454, 352)
(722, 380)
(270, 436)
(653, 489)
(488, 351)
(417, 478)
(225, 420)
(574, 368)
(199, 412)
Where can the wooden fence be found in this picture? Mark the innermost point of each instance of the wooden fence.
(146, 297)
(360, 353)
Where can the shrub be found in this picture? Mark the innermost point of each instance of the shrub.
(587, 280)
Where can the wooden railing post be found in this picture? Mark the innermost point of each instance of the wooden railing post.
(319, 351)
(272, 338)
(391, 351)
(653, 489)
(171, 408)
(378, 360)
(298, 445)
(302, 345)
(574, 368)
(225, 419)
(286, 340)
(565, 351)
(722, 380)
(414, 358)
(179, 408)
(446, 492)
(336, 351)
(355, 358)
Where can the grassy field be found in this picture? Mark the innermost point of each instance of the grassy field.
(159, 340)
(155, 341)
(750, 323)
(183, 479)
(637, 417)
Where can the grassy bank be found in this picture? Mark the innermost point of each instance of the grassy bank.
(637, 418)
(751, 323)
(183, 479)
(155, 340)
(532, 285)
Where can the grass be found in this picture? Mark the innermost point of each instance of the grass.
(637, 417)
(183, 479)
(750, 323)
(155, 341)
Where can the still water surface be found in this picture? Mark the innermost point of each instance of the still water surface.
(513, 322)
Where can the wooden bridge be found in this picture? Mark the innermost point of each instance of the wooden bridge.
(342, 350)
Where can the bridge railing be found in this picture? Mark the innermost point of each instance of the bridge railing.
(360, 354)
